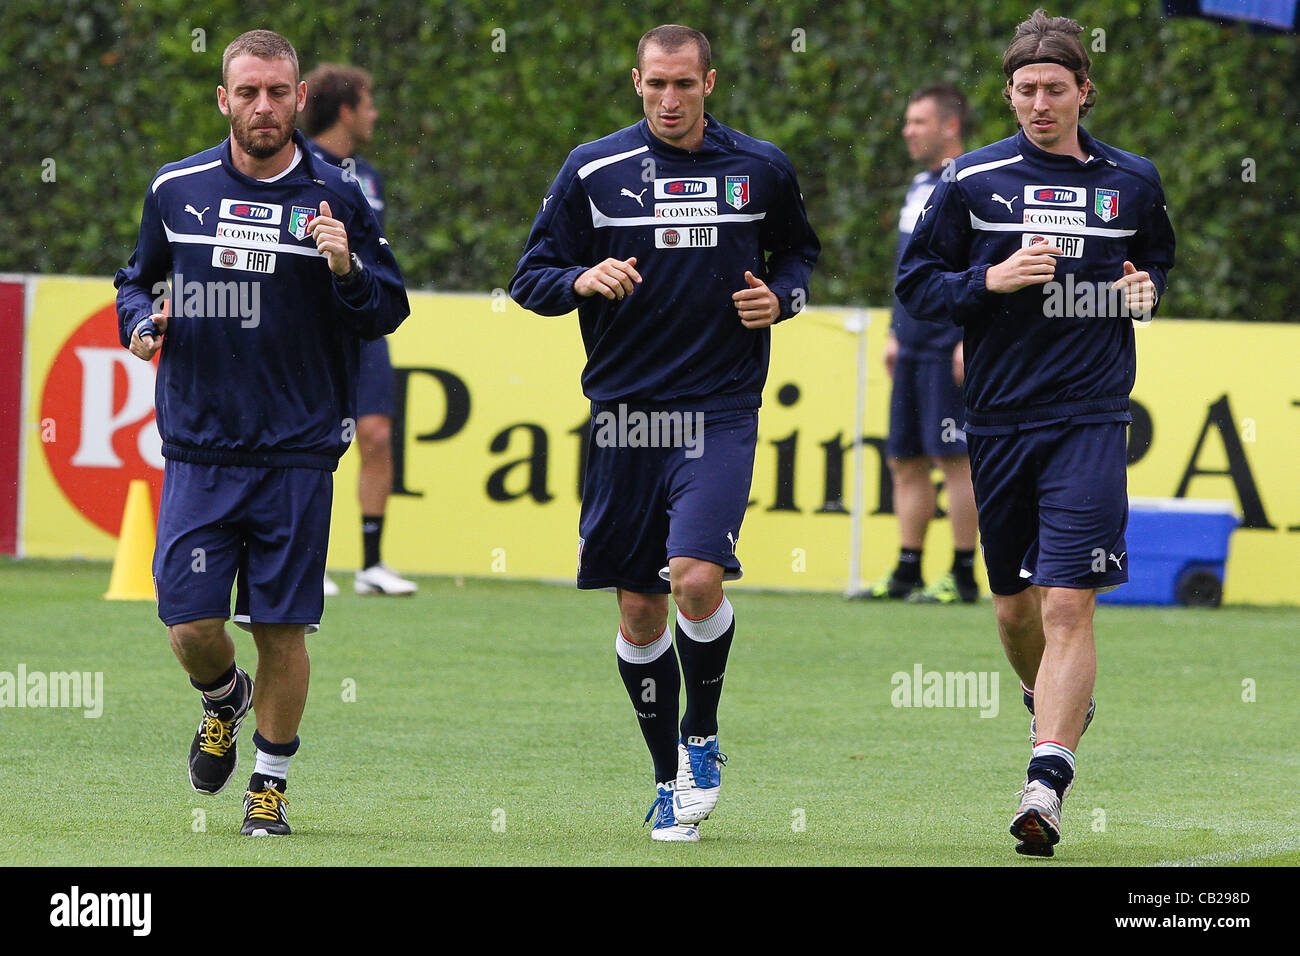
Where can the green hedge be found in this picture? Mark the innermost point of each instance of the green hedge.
(469, 138)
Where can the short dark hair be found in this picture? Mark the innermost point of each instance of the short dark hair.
(330, 87)
(671, 37)
(265, 44)
(1049, 39)
(948, 101)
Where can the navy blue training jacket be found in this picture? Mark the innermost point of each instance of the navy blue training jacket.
(274, 389)
(1029, 360)
(695, 221)
(366, 175)
(918, 339)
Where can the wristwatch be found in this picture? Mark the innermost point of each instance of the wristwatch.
(353, 274)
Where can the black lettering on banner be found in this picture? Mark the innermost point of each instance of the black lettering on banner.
(1252, 506)
(583, 432)
(1295, 527)
(536, 462)
(884, 481)
(457, 403)
(785, 452)
(1141, 433)
(939, 487)
(833, 490)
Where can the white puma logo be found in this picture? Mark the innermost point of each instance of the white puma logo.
(632, 195)
(733, 542)
(1119, 559)
(198, 215)
(1008, 202)
(925, 210)
(546, 200)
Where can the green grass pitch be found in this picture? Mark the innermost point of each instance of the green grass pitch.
(489, 727)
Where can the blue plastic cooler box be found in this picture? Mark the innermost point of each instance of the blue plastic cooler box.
(1177, 549)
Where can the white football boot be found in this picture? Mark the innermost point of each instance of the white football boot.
(381, 579)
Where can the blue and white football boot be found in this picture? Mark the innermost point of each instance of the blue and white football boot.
(667, 829)
(699, 778)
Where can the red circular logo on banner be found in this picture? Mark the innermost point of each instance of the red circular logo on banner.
(97, 421)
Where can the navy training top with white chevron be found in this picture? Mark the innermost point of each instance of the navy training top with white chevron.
(1041, 354)
(259, 363)
(919, 339)
(696, 222)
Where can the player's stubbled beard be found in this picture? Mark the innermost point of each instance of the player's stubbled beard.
(243, 132)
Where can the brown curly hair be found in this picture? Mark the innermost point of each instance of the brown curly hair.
(1051, 39)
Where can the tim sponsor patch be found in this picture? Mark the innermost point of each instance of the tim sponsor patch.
(264, 213)
(249, 260)
(1056, 196)
(700, 187)
(686, 237)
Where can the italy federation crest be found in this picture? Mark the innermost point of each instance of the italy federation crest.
(737, 191)
(300, 218)
(1106, 205)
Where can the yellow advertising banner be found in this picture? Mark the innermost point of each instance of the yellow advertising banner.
(489, 442)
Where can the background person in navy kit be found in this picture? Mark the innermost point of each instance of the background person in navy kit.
(340, 115)
(925, 362)
(1046, 391)
(700, 244)
(254, 411)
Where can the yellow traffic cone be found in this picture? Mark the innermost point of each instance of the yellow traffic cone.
(132, 578)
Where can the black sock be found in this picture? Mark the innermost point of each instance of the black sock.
(963, 567)
(654, 688)
(909, 566)
(704, 664)
(372, 527)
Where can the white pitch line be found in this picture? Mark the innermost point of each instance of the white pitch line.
(1227, 857)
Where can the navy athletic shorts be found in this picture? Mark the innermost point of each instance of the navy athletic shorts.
(376, 389)
(1053, 506)
(925, 410)
(644, 505)
(265, 529)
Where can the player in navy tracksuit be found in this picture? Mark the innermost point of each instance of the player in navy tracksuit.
(1045, 247)
(925, 362)
(679, 242)
(279, 271)
(340, 116)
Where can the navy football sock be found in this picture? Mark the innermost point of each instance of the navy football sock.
(1028, 696)
(653, 683)
(908, 570)
(963, 567)
(1053, 765)
(222, 689)
(372, 529)
(703, 646)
